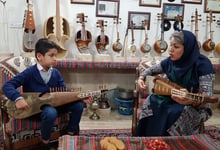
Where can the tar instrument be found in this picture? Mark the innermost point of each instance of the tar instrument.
(29, 37)
(145, 47)
(57, 29)
(163, 86)
(83, 37)
(178, 24)
(36, 101)
(196, 19)
(160, 46)
(132, 48)
(209, 45)
(102, 40)
(117, 46)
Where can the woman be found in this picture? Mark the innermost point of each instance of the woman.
(174, 115)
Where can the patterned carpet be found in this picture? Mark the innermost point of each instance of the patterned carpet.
(211, 131)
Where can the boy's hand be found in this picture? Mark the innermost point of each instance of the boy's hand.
(21, 104)
(88, 100)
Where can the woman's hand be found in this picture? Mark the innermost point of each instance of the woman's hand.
(181, 99)
(21, 104)
(141, 84)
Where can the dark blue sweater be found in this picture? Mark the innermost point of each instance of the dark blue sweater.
(31, 81)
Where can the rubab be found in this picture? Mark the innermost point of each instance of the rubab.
(117, 46)
(209, 45)
(132, 48)
(37, 100)
(29, 38)
(160, 46)
(57, 29)
(163, 86)
(145, 47)
(195, 19)
(83, 37)
(102, 40)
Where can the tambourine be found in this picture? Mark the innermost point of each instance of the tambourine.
(166, 25)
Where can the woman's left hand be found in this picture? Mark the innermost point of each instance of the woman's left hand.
(180, 99)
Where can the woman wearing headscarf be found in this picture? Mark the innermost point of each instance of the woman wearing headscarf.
(176, 115)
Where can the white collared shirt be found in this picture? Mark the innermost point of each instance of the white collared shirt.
(45, 75)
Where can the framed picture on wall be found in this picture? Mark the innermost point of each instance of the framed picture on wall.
(138, 18)
(91, 2)
(212, 5)
(151, 3)
(107, 8)
(170, 11)
(192, 1)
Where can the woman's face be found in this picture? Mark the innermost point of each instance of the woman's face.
(176, 50)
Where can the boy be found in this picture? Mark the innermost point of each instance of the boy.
(42, 77)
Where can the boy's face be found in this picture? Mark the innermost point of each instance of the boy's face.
(49, 59)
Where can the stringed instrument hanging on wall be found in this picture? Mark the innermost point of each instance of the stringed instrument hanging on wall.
(117, 46)
(102, 40)
(29, 37)
(83, 37)
(160, 46)
(209, 45)
(145, 47)
(195, 19)
(57, 29)
(132, 47)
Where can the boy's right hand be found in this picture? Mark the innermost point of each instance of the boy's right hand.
(21, 104)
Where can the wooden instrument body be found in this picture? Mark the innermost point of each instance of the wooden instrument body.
(29, 37)
(83, 37)
(145, 47)
(102, 40)
(208, 45)
(160, 46)
(217, 48)
(167, 88)
(117, 46)
(57, 29)
(36, 102)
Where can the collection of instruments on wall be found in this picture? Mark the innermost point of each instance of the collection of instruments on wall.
(57, 29)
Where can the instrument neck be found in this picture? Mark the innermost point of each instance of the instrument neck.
(58, 32)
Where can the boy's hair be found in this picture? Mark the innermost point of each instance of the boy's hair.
(43, 45)
(178, 36)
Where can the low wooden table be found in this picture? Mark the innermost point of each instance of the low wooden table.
(193, 142)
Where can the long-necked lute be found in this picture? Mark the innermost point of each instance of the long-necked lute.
(36, 101)
(163, 86)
